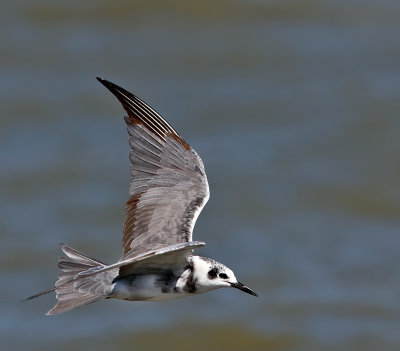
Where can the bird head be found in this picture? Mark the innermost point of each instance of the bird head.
(210, 274)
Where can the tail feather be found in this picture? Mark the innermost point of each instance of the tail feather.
(39, 294)
(73, 291)
(74, 301)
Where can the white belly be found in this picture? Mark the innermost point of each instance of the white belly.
(146, 288)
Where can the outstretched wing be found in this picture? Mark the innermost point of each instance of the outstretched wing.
(168, 186)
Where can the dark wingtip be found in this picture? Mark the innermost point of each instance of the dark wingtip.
(140, 112)
(103, 81)
(118, 91)
(106, 83)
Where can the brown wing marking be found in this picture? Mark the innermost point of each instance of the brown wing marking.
(179, 139)
(129, 225)
(132, 119)
(141, 113)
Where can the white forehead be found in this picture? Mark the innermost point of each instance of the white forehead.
(204, 264)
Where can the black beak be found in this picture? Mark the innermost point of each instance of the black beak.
(243, 287)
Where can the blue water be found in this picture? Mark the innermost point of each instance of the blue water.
(293, 107)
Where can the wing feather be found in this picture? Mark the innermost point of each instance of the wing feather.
(168, 186)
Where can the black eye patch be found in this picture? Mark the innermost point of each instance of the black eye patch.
(223, 276)
(212, 274)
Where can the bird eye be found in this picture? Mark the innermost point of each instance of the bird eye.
(223, 276)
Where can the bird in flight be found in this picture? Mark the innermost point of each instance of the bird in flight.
(168, 189)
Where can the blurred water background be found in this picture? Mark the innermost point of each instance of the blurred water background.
(294, 108)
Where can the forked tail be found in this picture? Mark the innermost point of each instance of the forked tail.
(72, 292)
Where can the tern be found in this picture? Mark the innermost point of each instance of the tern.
(168, 189)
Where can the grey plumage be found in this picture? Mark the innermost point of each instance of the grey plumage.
(85, 280)
(168, 186)
(167, 191)
(72, 292)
